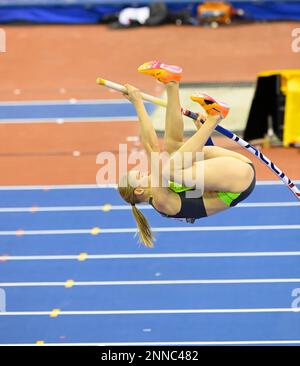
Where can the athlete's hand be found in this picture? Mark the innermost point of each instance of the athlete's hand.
(133, 94)
(200, 120)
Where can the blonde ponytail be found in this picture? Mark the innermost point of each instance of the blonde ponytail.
(144, 229)
(146, 236)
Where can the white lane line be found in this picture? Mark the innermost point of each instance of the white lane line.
(69, 208)
(156, 282)
(268, 204)
(68, 120)
(106, 207)
(150, 256)
(63, 102)
(109, 207)
(191, 343)
(95, 186)
(159, 311)
(155, 229)
(273, 182)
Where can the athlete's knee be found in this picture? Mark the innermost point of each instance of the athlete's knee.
(171, 172)
(172, 145)
(244, 178)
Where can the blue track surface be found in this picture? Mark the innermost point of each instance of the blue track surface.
(68, 110)
(253, 272)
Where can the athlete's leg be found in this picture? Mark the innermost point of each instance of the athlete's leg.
(173, 137)
(216, 111)
(211, 152)
(222, 173)
(226, 174)
(183, 160)
(174, 127)
(196, 143)
(169, 75)
(217, 174)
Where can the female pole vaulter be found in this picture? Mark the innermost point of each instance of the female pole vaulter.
(228, 177)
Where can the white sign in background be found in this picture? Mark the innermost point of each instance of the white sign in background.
(296, 40)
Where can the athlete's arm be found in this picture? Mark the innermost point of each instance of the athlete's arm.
(148, 134)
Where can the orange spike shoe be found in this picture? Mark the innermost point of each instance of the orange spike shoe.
(162, 72)
(210, 105)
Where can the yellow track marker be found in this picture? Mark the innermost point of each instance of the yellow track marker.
(82, 256)
(33, 209)
(95, 230)
(69, 283)
(40, 342)
(106, 207)
(20, 232)
(54, 313)
(4, 257)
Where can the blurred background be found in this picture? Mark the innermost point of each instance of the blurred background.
(56, 49)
